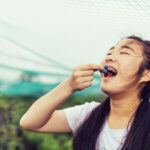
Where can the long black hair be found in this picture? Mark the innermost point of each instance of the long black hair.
(138, 137)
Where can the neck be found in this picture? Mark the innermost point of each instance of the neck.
(124, 106)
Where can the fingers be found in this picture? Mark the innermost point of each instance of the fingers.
(82, 76)
(87, 79)
(94, 67)
(86, 73)
(86, 84)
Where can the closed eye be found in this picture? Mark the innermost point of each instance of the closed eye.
(108, 54)
(123, 53)
(120, 53)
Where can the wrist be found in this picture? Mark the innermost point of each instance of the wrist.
(67, 87)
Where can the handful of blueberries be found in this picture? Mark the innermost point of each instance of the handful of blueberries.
(105, 70)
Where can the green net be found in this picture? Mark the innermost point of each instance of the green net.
(18, 81)
(39, 50)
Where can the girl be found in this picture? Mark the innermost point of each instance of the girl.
(121, 122)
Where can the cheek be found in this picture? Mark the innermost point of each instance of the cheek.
(129, 69)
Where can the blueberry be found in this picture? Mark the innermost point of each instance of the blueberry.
(105, 70)
(106, 67)
(101, 71)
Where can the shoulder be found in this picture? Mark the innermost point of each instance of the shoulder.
(77, 114)
(85, 107)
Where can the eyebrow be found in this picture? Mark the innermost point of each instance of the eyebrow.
(124, 46)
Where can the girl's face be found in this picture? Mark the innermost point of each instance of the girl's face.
(126, 57)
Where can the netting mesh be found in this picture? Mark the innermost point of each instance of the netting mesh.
(28, 71)
(20, 75)
(131, 14)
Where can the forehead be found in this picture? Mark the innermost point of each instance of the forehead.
(134, 44)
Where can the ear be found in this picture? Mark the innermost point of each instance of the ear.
(145, 77)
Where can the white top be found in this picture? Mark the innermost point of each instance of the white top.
(109, 139)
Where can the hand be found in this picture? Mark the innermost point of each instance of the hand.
(82, 76)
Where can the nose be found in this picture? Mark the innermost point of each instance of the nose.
(110, 58)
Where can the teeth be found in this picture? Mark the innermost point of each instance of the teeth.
(109, 71)
(112, 71)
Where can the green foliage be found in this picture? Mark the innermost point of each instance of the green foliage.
(13, 137)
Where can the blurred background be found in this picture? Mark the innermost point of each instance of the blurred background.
(41, 41)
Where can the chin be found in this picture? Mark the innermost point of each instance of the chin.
(107, 90)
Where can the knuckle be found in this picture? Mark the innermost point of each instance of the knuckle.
(75, 69)
(90, 65)
(75, 74)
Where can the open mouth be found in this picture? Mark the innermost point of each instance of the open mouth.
(111, 72)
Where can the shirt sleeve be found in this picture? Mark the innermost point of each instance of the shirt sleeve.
(77, 114)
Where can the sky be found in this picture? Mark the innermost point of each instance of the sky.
(47, 35)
